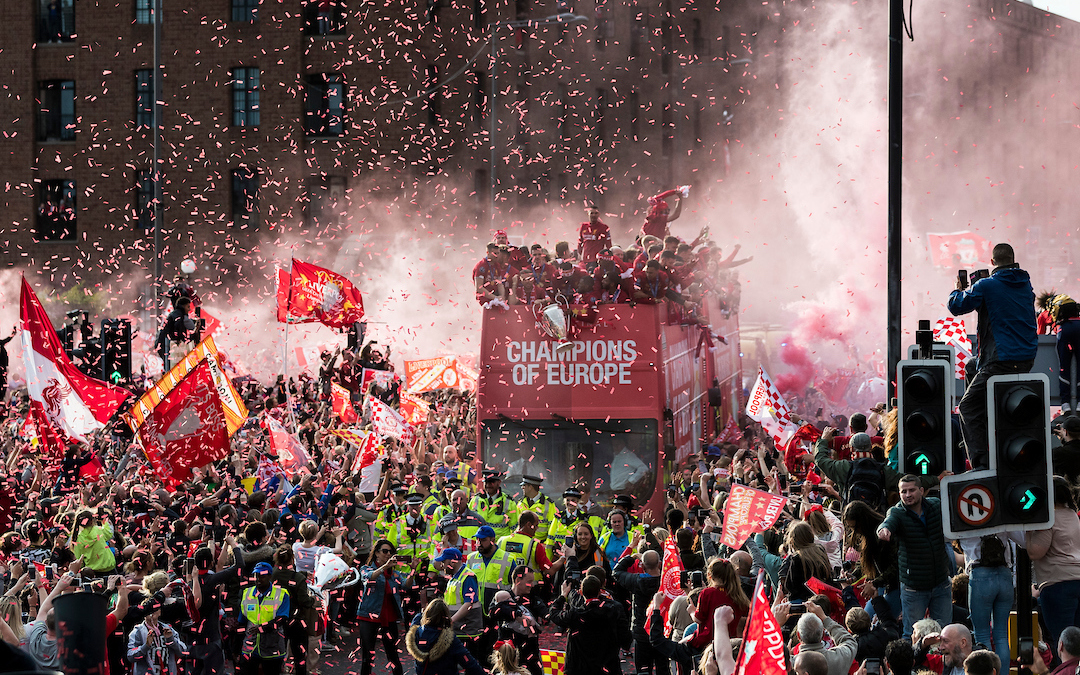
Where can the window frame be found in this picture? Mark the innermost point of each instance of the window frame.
(318, 105)
(62, 188)
(245, 96)
(54, 125)
(244, 202)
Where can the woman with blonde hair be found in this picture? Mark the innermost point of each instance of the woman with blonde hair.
(504, 660)
(806, 558)
(11, 613)
(724, 589)
(828, 530)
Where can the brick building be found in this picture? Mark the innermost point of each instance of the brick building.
(288, 121)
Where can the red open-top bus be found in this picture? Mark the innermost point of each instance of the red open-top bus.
(616, 410)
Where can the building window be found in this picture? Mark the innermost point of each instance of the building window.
(700, 48)
(324, 17)
(433, 100)
(564, 111)
(56, 22)
(144, 98)
(245, 97)
(639, 33)
(56, 211)
(667, 45)
(605, 27)
(144, 199)
(56, 110)
(325, 201)
(245, 11)
(245, 196)
(324, 99)
(634, 105)
(144, 11)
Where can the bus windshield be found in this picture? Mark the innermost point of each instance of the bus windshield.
(603, 457)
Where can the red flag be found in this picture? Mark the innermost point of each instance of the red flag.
(763, 643)
(414, 409)
(669, 580)
(212, 322)
(290, 451)
(834, 594)
(389, 422)
(92, 469)
(186, 428)
(318, 294)
(747, 511)
(73, 402)
(283, 283)
(41, 433)
(342, 406)
(807, 433)
(186, 419)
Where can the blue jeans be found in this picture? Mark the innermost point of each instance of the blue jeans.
(1060, 605)
(915, 603)
(990, 599)
(893, 598)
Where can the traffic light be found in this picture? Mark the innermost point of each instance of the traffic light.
(1016, 492)
(1018, 417)
(924, 393)
(116, 351)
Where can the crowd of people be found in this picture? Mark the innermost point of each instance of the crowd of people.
(439, 560)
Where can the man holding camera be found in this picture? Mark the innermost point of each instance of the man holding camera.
(1005, 302)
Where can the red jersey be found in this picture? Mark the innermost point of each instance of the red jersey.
(654, 290)
(593, 238)
(655, 225)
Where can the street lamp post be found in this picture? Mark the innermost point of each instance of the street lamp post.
(566, 18)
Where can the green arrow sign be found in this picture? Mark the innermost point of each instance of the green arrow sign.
(923, 462)
(116, 377)
(1028, 500)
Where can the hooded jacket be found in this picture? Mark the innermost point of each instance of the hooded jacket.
(438, 652)
(1005, 302)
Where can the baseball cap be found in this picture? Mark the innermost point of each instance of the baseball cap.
(263, 568)
(449, 554)
(485, 531)
(1071, 424)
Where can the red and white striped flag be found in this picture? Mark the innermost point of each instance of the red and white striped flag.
(767, 407)
(389, 422)
(74, 403)
(292, 456)
(951, 331)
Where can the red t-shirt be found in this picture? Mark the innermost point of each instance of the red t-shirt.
(593, 238)
(711, 598)
(656, 289)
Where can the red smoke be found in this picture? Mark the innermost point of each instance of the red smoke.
(802, 369)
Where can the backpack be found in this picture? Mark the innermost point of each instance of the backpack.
(866, 483)
(992, 551)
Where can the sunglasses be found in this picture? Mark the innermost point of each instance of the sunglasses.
(388, 551)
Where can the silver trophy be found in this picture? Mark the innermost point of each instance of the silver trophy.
(554, 320)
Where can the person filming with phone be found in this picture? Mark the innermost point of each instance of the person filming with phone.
(1008, 340)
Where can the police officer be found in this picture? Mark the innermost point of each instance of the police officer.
(539, 503)
(494, 506)
(411, 533)
(468, 521)
(391, 512)
(529, 551)
(568, 518)
(264, 608)
(463, 597)
(449, 486)
(460, 470)
(492, 567)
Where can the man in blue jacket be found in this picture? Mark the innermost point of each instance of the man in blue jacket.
(1005, 302)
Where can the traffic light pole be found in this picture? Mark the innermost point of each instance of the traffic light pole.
(1023, 601)
(895, 239)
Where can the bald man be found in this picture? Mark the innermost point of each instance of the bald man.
(642, 587)
(811, 663)
(956, 644)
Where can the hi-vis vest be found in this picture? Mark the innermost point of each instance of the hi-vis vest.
(400, 536)
(260, 611)
(500, 512)
(493, 575)
(523, 548)
(461, 472)
(544, 509)
(455, 598)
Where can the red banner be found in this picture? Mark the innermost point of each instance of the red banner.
(342, 405)
(958, 249)
(747, 511)
(414, 408)
(318, 294)
(292, 456)
(446, 372)
(669, 580)
(763, 644)
(384, 378)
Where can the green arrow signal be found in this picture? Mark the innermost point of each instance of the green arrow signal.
(1028, 500)
(923, 462)
(116, 377)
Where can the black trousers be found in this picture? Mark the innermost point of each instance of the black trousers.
(369, 631)
(252, 666)
(973, 410)
(648, 661)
